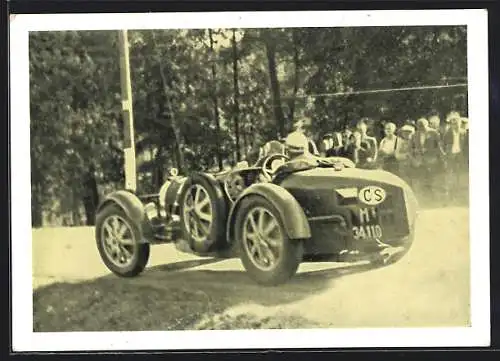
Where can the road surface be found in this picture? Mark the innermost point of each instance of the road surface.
(429, 287)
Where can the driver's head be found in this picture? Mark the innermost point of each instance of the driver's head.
(296, 144)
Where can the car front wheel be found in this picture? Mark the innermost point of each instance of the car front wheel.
(118, 243)
(269, 257)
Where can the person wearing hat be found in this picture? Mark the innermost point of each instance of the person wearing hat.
(454, 142)
(427, 154)
(449, 117)
(297, 148)
(403, 152)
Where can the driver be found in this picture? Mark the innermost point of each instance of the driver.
(297, 147)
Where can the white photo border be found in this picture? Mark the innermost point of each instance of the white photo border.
(23, 337)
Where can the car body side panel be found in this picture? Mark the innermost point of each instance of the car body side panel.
(292, 215)
(133, 208)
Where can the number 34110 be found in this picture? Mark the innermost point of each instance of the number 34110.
(365, 232)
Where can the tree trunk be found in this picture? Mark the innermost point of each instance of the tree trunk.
(245, 143)
(236, 98)
(91, 196)
(215, 100)
(36, 207)
(275, 86)
(291, 103)
(159, 166)
(173, 122)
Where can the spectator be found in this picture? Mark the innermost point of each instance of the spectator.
(465, 152)
(368, 144)
(387, 148)
(353, 147)
(403, 152)
(326, 143)
(451, 115)
(355, 151)
(454, 141)
(435, 123)
(336, 145)
(303, 127)
(427, 153)
(346, 140)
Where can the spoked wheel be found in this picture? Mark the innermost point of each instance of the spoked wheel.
(262, 239)
(118, 242)
(203, 219)
(198, 213)
(267, 254)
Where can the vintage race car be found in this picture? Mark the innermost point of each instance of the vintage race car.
(272, 215)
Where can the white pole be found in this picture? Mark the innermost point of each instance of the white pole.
(127, 111)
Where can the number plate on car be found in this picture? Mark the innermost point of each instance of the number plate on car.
(366, 224)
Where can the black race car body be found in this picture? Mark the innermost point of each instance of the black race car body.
(316, 209)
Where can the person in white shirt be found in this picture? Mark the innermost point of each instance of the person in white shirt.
(454, 141)
(387, 148)
(403, 152)
(303, 126)
(368, 143)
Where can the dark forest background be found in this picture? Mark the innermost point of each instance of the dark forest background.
(206, 98)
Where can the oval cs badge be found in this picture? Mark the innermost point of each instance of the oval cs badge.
(372, 195)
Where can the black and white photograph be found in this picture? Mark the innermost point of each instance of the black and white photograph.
(299, 179)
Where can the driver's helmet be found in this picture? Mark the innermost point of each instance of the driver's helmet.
(296, 144)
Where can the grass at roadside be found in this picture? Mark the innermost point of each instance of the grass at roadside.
(107, 305)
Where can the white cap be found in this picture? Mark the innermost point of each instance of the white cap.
(297, 142)
(407, 128)
(452, 115)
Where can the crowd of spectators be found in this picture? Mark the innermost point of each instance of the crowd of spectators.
(427, 154)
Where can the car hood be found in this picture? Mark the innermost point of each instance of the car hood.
(353, 175)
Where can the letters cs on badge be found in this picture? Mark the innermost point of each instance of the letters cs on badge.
(372, 195)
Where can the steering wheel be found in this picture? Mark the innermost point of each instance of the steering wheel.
(267, 168)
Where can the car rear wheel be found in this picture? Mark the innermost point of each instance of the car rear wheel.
(269, 257)
(118, 243)
(202, 215)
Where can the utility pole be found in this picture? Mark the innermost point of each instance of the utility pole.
(128, 117)
(215, 100)
(236, 96)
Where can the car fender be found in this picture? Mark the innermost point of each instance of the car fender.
(291, 213)
(170, 192)
(133, 208)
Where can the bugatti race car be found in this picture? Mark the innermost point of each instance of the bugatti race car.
(273, 215)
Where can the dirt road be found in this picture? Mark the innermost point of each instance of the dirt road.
(429, 287)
